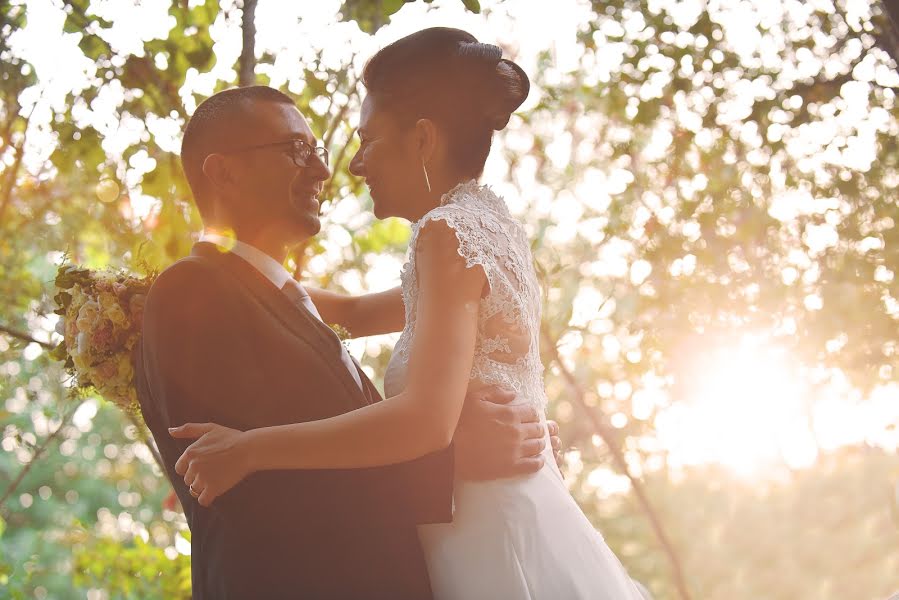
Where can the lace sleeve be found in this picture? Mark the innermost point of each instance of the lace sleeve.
(472, 235)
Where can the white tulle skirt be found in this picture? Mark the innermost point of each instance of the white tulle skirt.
(522, 539)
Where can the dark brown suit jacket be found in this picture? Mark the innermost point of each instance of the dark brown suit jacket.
(220, 343)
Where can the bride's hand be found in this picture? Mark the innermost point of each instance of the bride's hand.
(213, 464)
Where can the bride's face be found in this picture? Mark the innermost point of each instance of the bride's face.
(389, 160)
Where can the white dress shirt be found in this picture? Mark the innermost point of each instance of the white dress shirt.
(280, 277)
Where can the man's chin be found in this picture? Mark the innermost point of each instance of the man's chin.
(305, 225)
(305, 219)
(311, 225)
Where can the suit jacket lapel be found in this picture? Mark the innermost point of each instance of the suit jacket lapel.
(295, 318)
(371, 393)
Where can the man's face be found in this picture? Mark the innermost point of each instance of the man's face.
(268, 191)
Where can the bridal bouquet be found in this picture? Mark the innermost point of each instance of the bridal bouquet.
(101, 322)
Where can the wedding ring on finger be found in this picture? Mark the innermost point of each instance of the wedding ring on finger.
(192, 491)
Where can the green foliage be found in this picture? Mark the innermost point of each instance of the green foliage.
(133, 570)
(371, 16)
(389, 234)
(710, 195)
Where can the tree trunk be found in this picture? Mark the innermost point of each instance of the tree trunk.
(891, 35)
(247, 62)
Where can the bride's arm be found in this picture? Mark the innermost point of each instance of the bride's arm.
(369, 314)
(420, 420)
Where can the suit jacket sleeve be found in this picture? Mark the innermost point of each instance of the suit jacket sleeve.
(200, 368)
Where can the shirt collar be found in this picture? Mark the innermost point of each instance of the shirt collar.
(262, 262)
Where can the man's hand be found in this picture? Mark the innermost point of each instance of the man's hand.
(496, 439)
(556, 442)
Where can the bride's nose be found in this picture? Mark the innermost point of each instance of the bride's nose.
(357, 167)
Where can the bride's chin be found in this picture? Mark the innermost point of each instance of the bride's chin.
(379, 211)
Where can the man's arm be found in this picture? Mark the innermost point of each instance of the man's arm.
(369, 314)
(194, 358)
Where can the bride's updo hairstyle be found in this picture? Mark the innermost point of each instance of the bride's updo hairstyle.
(447, 76)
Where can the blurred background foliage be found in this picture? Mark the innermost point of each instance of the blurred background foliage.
(711, 192)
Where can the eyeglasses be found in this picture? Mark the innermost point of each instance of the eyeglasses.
(300, 151)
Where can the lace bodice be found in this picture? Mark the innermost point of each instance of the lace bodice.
(507, 351)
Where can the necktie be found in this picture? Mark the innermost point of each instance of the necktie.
(299, 295)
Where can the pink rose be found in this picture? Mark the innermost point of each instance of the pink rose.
(107, 369)
(101, 338)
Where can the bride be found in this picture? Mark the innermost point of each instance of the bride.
(469, 309)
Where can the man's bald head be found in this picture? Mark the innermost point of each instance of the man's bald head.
(218, 125)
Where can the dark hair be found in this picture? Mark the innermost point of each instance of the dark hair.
(215, 126)
(448, 76)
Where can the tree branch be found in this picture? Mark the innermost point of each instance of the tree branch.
(888, 39)
(246, 75)
(66, 419)
(16, 165)
(338, 118)
(621, 463)
(23, 336)
(335, 166)
(146, 439)
(13, 112)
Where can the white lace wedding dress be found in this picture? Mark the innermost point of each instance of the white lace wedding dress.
(521, 538)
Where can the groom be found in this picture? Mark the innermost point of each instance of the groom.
(229, 337)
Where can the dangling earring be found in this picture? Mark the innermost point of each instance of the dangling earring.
(427, 180)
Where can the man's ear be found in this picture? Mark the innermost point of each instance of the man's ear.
(215, 168)
(426, 138)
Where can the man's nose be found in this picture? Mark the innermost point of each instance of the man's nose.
(318, 169)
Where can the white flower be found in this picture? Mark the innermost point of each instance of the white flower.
(81, 343)
(87, 316)
(114, 313)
